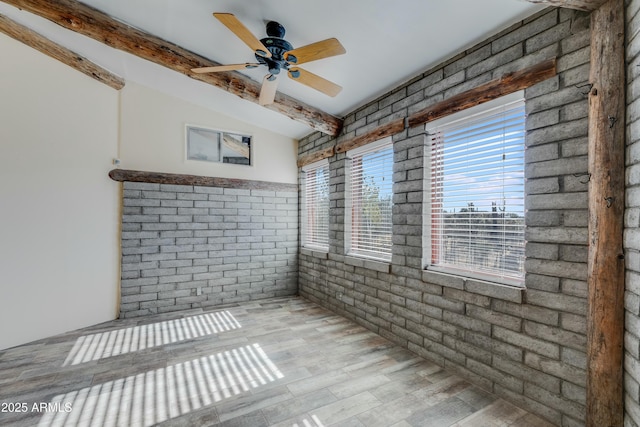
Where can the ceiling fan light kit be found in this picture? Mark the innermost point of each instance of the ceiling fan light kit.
(276, 54)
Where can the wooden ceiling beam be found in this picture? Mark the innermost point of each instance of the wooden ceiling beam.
(62, 54)
(90, 22)
(586, 5)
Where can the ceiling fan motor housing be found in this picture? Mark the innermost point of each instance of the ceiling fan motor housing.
(277, 46)
(275, 29)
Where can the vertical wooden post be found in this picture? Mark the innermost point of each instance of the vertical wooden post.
(605, 319)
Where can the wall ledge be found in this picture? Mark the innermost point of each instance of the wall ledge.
(314, 253)
(370, 264)
(490, 289)
(202, 181)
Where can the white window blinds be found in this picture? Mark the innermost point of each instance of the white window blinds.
(315, 221)
(477, 194)
(370, 200)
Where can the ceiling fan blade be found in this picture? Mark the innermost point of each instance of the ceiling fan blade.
(219, 68)
(268, 90)
(232, 23)
(314, 81)
(315, 51)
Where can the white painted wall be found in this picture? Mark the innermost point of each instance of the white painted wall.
(59, 211)
(152, 139)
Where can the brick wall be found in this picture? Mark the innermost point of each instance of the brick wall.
(527, 345)
(632, 221)
(189, 246)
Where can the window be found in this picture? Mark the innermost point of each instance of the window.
(216, 146)
(315, 205)
(369, 200)
(475, 194)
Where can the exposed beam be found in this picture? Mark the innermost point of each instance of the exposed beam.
(316, 156)
(122, 175)
(586, 5)
(375, 134)
(493, 89)
(606, 265)
(92, 23)
(62, 54)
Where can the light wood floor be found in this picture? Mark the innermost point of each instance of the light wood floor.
(282, 362)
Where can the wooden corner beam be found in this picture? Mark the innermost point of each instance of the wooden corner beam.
(90, 22)
(62, 54)
(606, 260)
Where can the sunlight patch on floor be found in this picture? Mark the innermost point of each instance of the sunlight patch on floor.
(155, 396)
(126, 340)
(313, 422)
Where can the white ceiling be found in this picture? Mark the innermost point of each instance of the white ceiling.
(387, 43)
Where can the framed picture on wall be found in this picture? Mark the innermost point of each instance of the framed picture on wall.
(211, 145)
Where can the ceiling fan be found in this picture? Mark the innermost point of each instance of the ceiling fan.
(278, 54)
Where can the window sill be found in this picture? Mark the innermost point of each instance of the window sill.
(320, 254)
(370, 264)
(481, 287)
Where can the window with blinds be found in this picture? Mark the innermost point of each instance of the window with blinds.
(369, 200)
(315, 206)
(476, 192)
